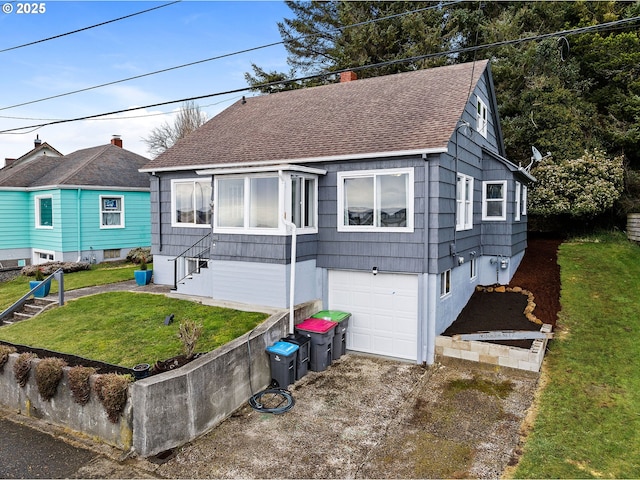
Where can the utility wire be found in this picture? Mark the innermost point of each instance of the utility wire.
(198, 62)
(88, 28)
(575, 31)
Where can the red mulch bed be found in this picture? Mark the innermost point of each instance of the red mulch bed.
(538, 273)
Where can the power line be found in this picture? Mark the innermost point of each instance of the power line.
(88, 28)
(575, 31)
(198, 62)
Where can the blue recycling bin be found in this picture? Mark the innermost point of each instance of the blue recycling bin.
(283, 362)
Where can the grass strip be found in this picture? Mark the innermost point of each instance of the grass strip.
(588, 420)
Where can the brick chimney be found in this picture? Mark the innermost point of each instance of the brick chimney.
(116, 140)
(348, 76)
(37, 142)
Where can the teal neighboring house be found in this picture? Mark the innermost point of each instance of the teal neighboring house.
(91, 205)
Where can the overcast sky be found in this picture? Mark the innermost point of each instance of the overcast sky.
(174, 35)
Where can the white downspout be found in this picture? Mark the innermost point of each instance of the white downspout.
(292, 271)
(79, 223)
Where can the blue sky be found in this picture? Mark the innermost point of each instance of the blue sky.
(185, 32)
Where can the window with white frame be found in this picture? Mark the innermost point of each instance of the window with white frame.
(44, 211)
(518, 200)
(482, 118)
(464, 202)
(445, 283)
(473, 268)
(251, 203)
(303, 201)
(111, 212)
(494, 200)
(375, 200)
(191, 202)
(524, 200)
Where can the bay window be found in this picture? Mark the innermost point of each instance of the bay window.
(255, 203)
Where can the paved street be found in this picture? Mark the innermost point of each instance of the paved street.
(28, 453)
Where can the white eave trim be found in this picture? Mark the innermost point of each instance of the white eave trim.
(265, 168)
(334, 158)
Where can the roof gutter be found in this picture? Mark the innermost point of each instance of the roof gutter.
(331, 158)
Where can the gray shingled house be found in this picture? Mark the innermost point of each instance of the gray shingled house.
(398, 188)
(92, 204)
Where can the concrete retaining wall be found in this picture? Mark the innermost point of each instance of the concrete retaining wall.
(90, 419)
(169, 409)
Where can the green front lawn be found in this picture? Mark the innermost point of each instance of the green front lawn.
(588, 422)
(125, 328)
(100, 274)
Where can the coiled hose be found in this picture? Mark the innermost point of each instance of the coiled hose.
(272, 400)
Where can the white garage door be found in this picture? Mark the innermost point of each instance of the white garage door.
(384, 311)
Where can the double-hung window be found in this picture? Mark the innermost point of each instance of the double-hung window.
(44, 211)
(255, 203)
(482, 118)
(376, 200)
(111, 212)
(494, 200)
(191, 203)
(518, 200)
(464, 202)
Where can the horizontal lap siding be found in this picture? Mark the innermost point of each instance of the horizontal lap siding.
(390, 252)
(16, 219)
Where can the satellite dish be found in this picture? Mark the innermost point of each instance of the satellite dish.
(537, 156)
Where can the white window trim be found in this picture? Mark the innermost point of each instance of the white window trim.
(37, 253)
(464, 222)
(518, 201)
(284, 205)
(473, 272)
(482, 117)
(445, 283)
(174, 220)
(368, 173)
(524, 200)
(503, 217)
(37, 210)
(121, 211)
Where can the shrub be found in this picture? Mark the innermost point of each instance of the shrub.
(189, 333)
(39, 275)
(79, 383)
(49, 372)
(48, 268)
(22, 367)
(137, 255)
(112, 390)
(5, 351)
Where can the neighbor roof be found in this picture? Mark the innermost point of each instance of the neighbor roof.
(394, 113)
(102, 166)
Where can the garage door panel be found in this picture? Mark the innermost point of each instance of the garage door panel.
(383, 311)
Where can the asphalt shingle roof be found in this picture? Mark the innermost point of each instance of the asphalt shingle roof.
(407, 111)
(104, 166)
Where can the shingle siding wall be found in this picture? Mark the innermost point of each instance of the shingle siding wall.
(390, 252)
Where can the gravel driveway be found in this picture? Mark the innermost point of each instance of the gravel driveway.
(367, 417)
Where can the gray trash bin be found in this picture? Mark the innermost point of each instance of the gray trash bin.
(321, 334)
(339, 346)
(283, 362)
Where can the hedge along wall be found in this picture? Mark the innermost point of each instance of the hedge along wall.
(90, 419)
(166, 410)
